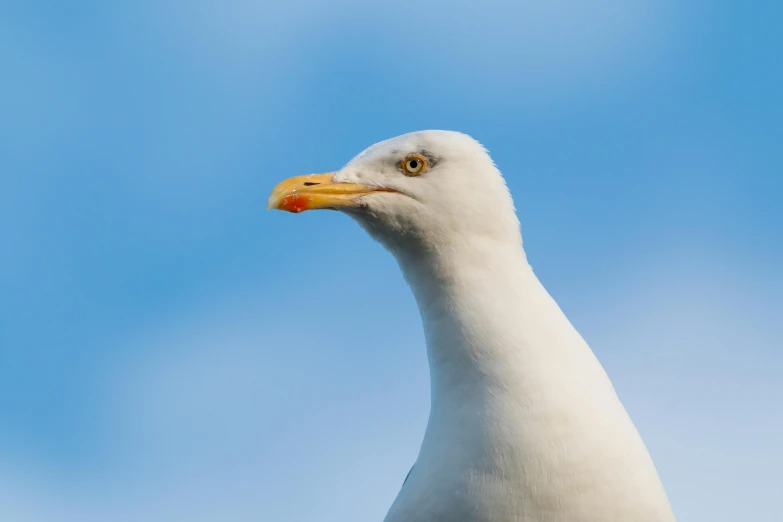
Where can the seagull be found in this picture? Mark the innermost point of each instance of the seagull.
(524, 424)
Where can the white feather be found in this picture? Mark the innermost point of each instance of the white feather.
(524, 424)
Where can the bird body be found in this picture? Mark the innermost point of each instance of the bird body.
(525, 425)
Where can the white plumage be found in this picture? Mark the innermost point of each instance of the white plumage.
(524, 424)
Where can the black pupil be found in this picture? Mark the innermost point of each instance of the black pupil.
(413, 164)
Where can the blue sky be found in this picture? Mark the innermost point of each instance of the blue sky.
(171, 351)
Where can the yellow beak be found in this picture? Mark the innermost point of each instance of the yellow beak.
(314, 191)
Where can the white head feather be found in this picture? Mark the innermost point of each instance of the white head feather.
(461, 196)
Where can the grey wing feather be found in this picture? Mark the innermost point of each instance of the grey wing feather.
(407, 476)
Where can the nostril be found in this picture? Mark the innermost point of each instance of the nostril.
(310, 183)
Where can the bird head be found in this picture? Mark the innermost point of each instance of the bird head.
(428, 189)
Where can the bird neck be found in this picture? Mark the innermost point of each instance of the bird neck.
(492, 330)
(518, 398)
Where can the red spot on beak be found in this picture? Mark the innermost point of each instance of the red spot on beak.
(295, 203)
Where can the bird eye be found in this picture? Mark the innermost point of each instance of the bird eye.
(414, 165)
